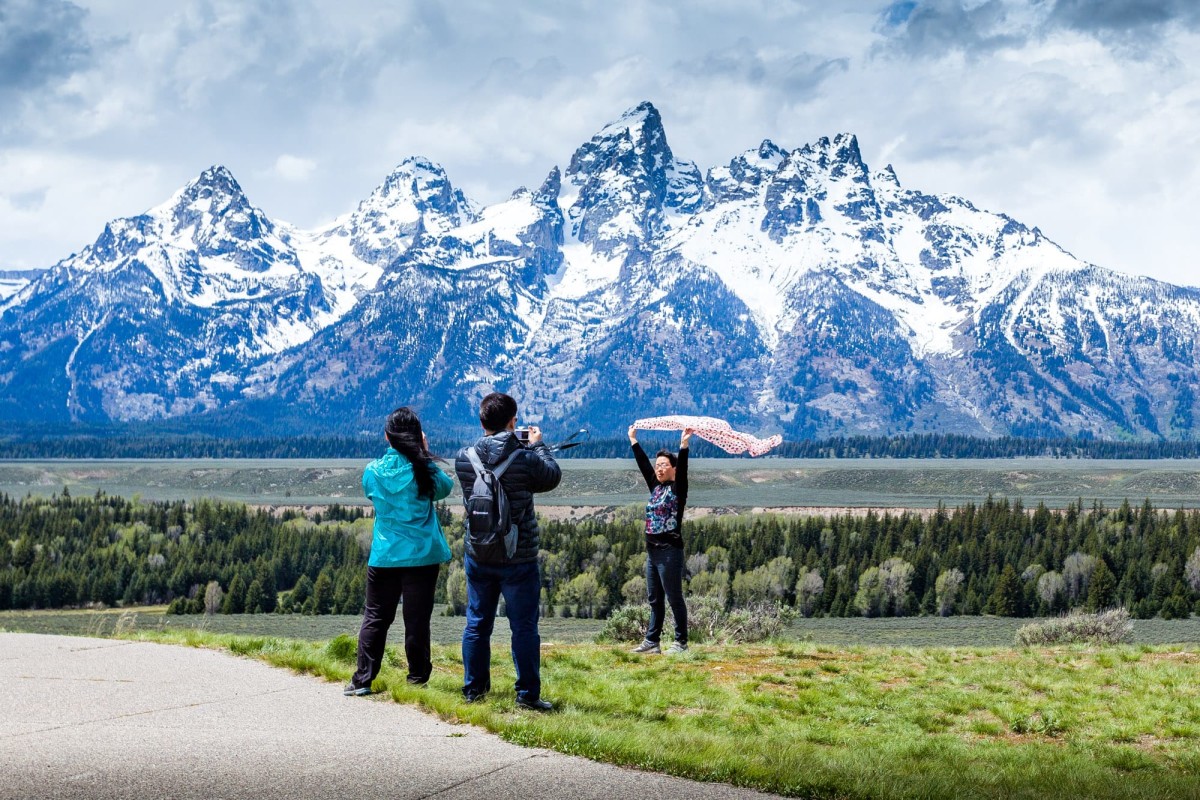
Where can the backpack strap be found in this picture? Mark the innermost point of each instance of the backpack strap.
(476, 464)
(505, 464)
(498, 470)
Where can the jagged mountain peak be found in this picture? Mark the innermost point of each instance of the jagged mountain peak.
(214, 190)
(839, 156)
(552, 186)
(636, 138)
(643, 120)
(416, 199)
(419, 187)
(210, 216)
(621, 180)
(745, 172)
(886, 177)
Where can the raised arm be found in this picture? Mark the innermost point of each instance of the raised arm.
(643, 461)
(681, 468)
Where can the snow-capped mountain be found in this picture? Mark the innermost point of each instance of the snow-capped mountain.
(792, 290)
(166, 312)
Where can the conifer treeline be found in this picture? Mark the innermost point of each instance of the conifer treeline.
(65, 552)
(993, 558)
(927, 445)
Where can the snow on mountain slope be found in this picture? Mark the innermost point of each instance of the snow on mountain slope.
(793, 290)
(13, 281)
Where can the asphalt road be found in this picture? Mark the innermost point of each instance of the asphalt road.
(100, 718)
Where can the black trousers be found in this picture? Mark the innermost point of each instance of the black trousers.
(664, 577)
(386, 586)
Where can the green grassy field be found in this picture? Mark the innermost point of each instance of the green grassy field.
(715, 483)
(820, 721)
(836, 708)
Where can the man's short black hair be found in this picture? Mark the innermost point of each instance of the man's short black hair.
(496, 410)
(672, 457)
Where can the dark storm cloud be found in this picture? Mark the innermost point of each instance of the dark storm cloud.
(1123, 17)
(933, 28)
(40, 41)
(937, 27)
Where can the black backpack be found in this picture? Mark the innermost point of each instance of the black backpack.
(490, 531)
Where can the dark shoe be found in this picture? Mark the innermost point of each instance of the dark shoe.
(416, 680)
(356, 691)
(535, 705)
(647, 646)
(475, 698)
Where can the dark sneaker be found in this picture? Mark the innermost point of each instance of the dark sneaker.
(535, 705)
(647, 646)
(677, 647)
(416, 680)
(475, 698)
(356, 691)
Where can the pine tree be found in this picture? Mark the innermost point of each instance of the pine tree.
(1006, 597)
(254, 598)
(301, 593)
(235, 598)
(323, 593)
(1102, 590)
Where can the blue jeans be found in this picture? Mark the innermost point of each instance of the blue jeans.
(664, 577)
(521, 586)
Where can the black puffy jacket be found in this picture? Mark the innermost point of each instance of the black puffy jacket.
(533, 470)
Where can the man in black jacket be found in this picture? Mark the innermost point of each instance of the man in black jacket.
(518, 580)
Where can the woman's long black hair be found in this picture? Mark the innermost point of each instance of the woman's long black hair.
(403, 432)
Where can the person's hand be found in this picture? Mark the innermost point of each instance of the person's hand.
(685, 438)
(632, 435)
(535, 434)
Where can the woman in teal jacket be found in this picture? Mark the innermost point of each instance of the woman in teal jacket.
(407, 549)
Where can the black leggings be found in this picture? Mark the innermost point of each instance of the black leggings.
(385, 588)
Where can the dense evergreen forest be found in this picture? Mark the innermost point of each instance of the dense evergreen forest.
(993, 558)
(102, 444)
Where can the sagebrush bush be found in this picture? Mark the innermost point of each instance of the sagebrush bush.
(754, 622)
(708, 621)
(1105, 627)
(626, 624)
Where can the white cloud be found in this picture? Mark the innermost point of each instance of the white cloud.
(294, 168)
(1068, 122)
(53, 204)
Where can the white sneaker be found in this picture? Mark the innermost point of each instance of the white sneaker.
(677, 647)
(647, 646)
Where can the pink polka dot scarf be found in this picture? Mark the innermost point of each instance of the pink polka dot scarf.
(712, 430)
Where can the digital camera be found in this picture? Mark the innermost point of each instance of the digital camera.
(522, 435)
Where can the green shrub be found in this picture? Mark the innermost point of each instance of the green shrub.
(626, 624)
(755, 622)
(708, 621)
(1106, 627)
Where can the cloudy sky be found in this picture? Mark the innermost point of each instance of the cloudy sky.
(1081, 117)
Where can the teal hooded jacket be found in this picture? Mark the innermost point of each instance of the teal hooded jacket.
(407, 531)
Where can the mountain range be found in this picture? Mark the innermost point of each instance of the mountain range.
(788, 290)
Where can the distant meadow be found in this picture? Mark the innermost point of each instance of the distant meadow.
(715, 483)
